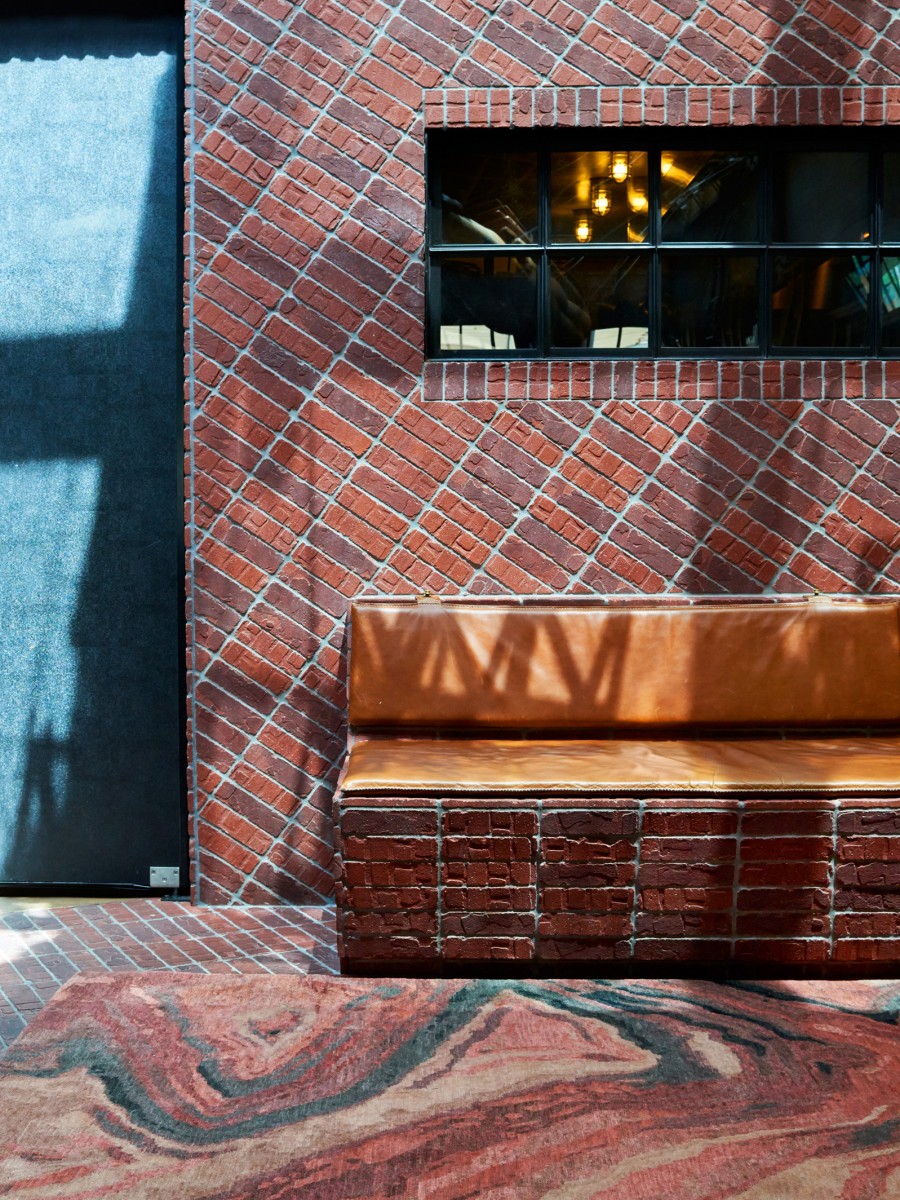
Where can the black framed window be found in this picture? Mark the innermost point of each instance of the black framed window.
(707, 244)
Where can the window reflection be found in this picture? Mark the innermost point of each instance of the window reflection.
(820, 300)
(821, 197)
(599, 196)
(890, 300)
(709, 196)
(709, 300)
(488, 302)
(488, 198)
(598, 302)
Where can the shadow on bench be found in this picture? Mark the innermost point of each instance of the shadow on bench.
(562, 785)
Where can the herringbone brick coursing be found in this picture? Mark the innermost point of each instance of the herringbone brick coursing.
(325, 458)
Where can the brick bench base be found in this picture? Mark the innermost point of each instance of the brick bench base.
(793, 885)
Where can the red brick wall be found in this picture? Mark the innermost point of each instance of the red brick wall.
(800, 883)
(325, 458)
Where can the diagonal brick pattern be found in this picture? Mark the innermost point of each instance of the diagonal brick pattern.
(325, 459)
(42, 948)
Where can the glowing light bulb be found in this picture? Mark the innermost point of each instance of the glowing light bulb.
(666, 164)
(637, 200)
(619, 169)
(601, 201)
(583, 229)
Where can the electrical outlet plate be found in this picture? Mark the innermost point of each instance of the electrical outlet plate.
(165, 877)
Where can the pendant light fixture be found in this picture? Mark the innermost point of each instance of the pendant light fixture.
(618, 167)
(583, 227)
(600, 202)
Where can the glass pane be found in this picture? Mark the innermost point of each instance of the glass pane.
(599, 196)
(892, 197)
(599, 302)
(821, 197)
(709, 300)
(820, 300)
(488, 303)
(890, 300)
(488, 198)
(709, 196)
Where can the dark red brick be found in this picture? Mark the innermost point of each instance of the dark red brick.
(497, 949)
(491, 924)
(686, 924)
(489, 899)
(394, 822)
(585, 899)
(589, 825)
(583, 950)
(686, 950)
(419, 922)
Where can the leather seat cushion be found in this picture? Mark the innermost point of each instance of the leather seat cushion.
(408, 765)
(563, 666)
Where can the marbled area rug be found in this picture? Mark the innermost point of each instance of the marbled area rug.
(274, 1087)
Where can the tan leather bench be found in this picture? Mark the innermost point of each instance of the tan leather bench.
(484, 715)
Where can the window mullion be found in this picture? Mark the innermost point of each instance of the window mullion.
(875, 204)
(433, 271)
(433, 316)
(654, 288)
(543, 265)
(766, 202)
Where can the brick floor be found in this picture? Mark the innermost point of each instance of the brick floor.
(40, 950)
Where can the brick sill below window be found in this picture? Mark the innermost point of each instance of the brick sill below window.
(663, 379)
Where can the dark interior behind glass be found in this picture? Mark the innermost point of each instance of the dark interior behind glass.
(733, 243)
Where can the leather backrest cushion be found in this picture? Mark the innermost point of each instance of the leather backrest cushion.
(548, 666)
